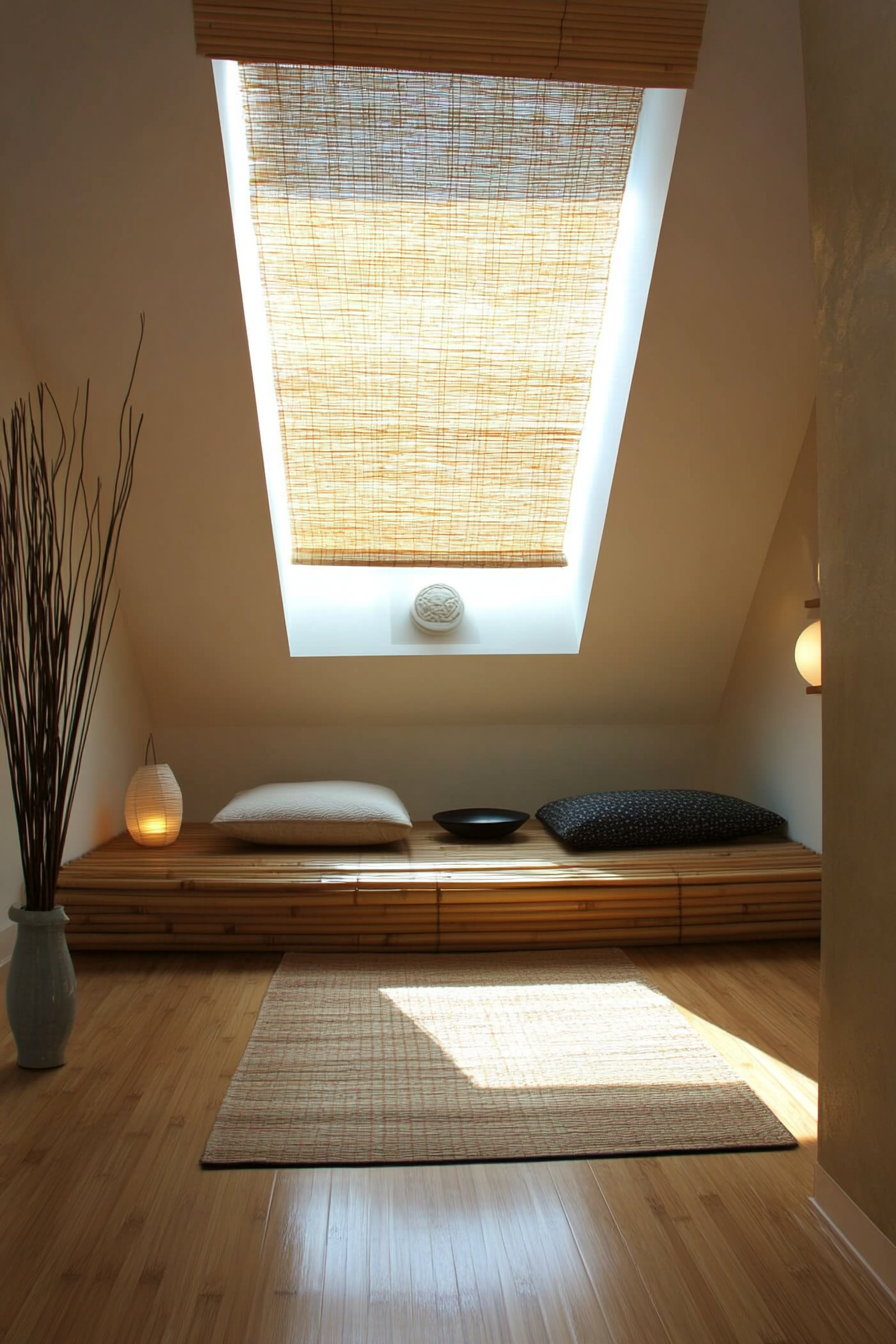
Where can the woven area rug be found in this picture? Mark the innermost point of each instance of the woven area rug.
(391, 1059)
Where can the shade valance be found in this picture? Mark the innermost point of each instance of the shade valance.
(624, 42)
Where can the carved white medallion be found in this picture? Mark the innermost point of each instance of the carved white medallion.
(437, 609)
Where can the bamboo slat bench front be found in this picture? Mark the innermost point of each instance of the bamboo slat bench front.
(434, 893)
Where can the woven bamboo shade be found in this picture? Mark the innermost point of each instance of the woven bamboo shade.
(434, 251)
(648, 45)
(154, 806)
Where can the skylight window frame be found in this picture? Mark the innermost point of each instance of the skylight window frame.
(333, 611)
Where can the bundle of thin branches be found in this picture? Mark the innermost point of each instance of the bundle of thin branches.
(58, 549)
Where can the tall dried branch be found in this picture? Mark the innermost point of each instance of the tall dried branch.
(58, 548)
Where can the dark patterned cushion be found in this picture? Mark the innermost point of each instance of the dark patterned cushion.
(641, 817)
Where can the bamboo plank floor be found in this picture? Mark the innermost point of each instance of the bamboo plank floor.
(434, 893)
(110, 1231)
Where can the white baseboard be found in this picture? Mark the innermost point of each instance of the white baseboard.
(7, 943)
(853, 1227)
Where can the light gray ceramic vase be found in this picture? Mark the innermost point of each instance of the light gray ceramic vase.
(41, 993)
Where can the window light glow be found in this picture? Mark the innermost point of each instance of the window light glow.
(362, 610)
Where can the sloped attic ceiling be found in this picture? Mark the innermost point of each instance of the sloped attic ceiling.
(116, 201)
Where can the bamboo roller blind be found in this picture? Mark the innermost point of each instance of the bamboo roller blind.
(643, 43)
(434, 252)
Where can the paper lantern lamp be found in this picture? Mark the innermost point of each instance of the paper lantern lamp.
(807, 656)
(154, 806)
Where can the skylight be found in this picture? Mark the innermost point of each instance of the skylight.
(444, 279)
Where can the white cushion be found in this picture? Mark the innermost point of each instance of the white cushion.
(319, 812)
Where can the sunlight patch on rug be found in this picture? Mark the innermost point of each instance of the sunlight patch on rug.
(531, 1035)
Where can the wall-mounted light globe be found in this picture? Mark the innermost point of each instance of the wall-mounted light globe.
(154, 806)
(807, 654)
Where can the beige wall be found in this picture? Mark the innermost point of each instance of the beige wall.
(120, 722)
(851, 103)
(106, 106)
(109, 108)
(16, 368)
(767, 743)
(439, 767)
(115, 747)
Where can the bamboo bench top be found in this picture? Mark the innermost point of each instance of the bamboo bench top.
(202, 858)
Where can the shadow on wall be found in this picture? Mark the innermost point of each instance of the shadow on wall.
(768, 732)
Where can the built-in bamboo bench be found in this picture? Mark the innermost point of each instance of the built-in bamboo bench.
(434, 893)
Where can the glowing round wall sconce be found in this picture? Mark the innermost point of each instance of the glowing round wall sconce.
(807, 656)
(153, 804)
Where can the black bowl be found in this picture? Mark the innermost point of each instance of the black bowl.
(481, 823)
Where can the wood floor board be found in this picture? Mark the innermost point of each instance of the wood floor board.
(346, 1283)
(612, 1272)
(118, 1158)
(726, 1299)
(478, 1261)
(682, 1298)
(571, 1304)
(110, 1231)
(504, 1269)
(287, 1293)
(761, 1240)
(417, 1285)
